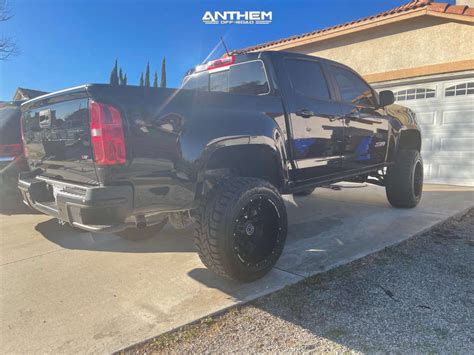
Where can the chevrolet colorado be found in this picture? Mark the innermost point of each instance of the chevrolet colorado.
(219, 151)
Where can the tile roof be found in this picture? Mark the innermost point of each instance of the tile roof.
(412, 6)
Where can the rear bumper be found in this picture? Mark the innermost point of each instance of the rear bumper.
(101, 209)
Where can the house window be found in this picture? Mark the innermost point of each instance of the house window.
(460, 89)
(414, 94)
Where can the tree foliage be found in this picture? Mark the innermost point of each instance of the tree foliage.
(114, 79)
(120, 77)
(147, 75)
(163, 73)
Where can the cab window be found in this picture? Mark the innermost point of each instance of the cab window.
(248, 78)
(352, 88)
(307, 78)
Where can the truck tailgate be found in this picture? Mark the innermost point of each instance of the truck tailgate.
(58, 137)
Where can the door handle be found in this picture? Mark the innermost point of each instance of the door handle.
(353, 115)
(333, 118)
(305, 113)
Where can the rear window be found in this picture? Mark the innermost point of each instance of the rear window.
(247, 78)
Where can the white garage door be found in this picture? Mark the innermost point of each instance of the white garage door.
(445, 112)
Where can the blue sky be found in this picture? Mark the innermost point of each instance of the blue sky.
(65, 43)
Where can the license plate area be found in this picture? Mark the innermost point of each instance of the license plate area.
(69, 191)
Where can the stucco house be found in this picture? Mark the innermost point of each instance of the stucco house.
(424, 52)
(26, 94)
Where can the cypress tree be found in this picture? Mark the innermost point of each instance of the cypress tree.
(141, 79)
(155, 80)
(120, 77)
(163, 73)
(114, 75)
(125, 79)
(147, 75)
(111, 80)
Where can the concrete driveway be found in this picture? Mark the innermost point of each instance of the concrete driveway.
(64, 291)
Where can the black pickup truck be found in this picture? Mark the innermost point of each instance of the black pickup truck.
(219, 152)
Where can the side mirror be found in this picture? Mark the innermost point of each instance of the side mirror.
(386, 98)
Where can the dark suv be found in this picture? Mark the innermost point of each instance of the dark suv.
(12, 160)
(220, 151)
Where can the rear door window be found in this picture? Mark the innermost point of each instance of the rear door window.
(307, 78)
(352, 88)
(248, 78)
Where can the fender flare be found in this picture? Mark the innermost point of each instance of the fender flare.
(244, 140)
(408, 131)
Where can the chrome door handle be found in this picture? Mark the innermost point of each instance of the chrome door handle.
(305, 113)
(333, 118)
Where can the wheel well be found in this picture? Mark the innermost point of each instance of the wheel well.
(410, 139)
(249, 161)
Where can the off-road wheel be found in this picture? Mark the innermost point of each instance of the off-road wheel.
(306, 192)
(404, 180)
(135, 234)
(241, 228)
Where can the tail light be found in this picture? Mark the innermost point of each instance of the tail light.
(222, 62)
(213, 64)
(108, 142)
(23, 140)
(10, 151)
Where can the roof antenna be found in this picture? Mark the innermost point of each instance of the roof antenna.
(225, 47)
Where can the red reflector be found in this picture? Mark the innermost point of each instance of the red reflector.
(107, 137)
(220, 63)
(10, 150)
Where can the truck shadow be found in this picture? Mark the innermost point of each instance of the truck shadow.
(168, 240)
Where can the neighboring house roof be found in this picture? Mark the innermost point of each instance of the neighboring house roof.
(412, 9)
(27, 94)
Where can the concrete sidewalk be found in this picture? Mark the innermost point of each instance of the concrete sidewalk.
(64, 291)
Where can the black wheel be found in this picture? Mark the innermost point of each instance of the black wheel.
(135, 234)
(404, 180)
(306, 192)
(241, 228)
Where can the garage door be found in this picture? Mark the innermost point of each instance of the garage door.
(445, 112)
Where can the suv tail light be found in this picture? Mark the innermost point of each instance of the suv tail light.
(108, 142)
